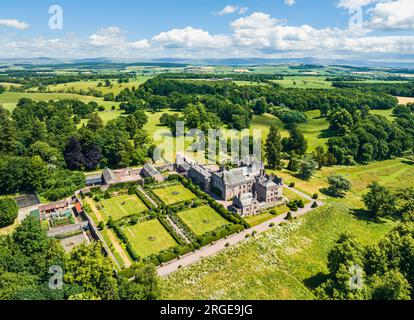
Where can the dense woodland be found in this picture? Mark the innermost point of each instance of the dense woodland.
(395, 89)
(42, 147)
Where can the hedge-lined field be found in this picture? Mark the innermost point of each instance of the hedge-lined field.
(149, 237)
(174, 194)
(202, 219)
(120, 207)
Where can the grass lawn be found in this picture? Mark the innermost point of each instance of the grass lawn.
(174, 194)
(202, 219)
(265, 216)
(10, 229)
(391, 173)
(305, 82)
(122, 206)
(385, 113)
(149, 237)
(315, 130)
(287, 262)
(10, 99)
(93, 84)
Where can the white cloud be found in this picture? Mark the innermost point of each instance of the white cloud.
(256, 35)
(290, 2)
(265, 34)
(257, 20)
(230, 9)
(190, 37)
(352, 4)
(226, 10)
(141, 44)
(397, 14)
(107, 37)
(13, 23)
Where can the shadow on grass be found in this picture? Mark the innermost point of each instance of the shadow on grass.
(327, 134)
(331, 194)
(364, 215)
(316, 280)
(408, 161)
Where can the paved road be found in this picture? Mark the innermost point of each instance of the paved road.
(220, 245)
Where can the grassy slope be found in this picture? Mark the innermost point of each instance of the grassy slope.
(280, 264)
(288, 262)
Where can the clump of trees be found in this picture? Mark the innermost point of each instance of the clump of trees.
(338, 185)
(382, 271)
(8, 212)
(370, 138)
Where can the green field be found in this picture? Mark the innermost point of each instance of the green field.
(285, 263)
(10, 99)
(394, 173)
(149, 237)
(93, 84)
(174, 194)
(385, 113)
(305, 82)
(202, 219)
(315, 130)
(119, 207)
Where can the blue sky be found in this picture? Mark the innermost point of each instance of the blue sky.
(379, 29)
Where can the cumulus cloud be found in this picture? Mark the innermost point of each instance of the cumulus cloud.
(107, 37)
(141, 44)
(191, 37)
(257, 20)
(397, 14)
(14, 23)
(256, 35)
(230, 9)
(266, 34)
(290, 2)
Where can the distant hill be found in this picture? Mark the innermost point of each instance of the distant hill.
(217, 62)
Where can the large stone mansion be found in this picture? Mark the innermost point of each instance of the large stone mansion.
(248, 188)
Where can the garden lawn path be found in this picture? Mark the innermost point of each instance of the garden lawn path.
(119, 249)
(95, 209)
